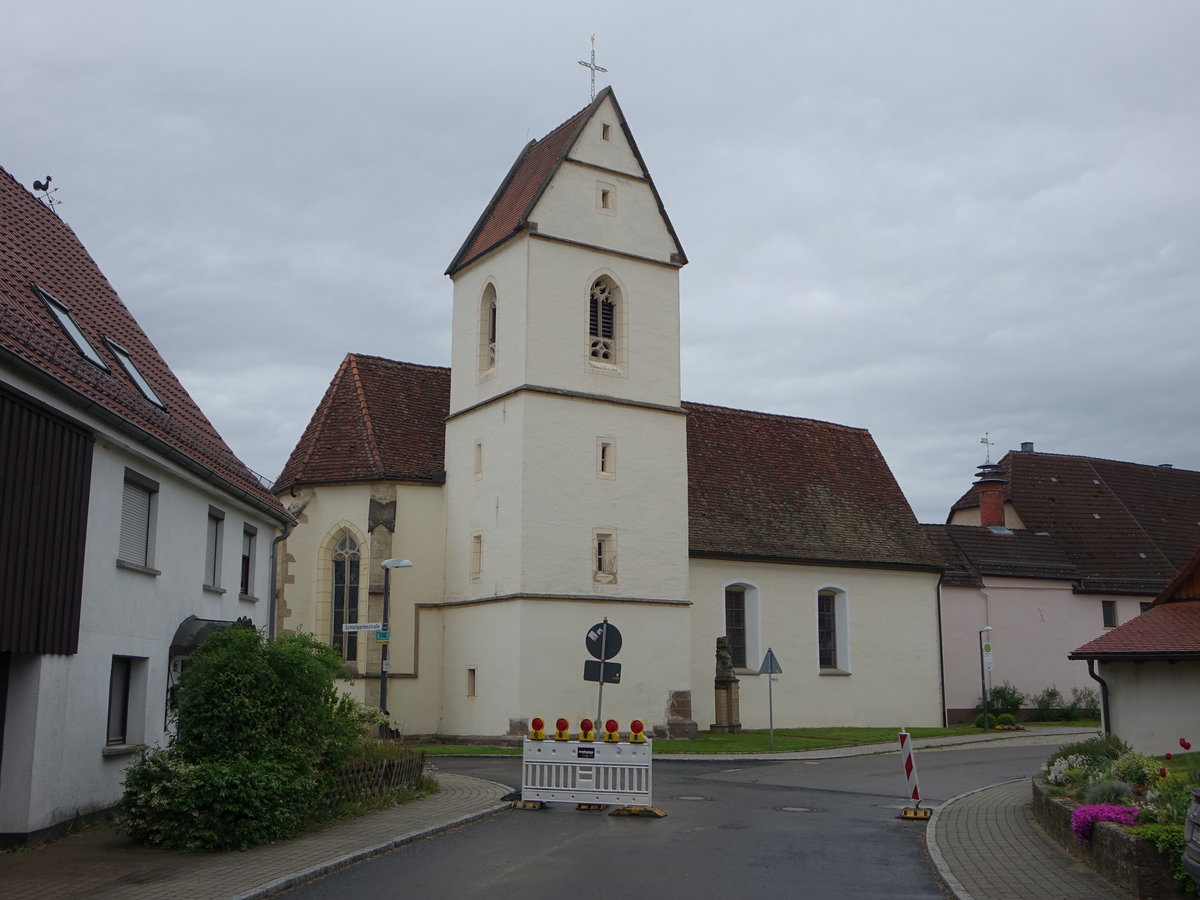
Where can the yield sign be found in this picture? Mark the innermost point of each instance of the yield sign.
(770, 665)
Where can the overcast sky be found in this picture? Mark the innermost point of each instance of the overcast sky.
(929, 219)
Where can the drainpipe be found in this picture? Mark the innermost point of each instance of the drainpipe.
(941, 654)
(1103, 695)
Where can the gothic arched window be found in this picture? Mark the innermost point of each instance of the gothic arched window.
(345, 596)
(487, 330)
(602, 321)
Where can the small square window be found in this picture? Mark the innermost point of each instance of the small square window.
(606, 198)
(604, 557)
(605, 132)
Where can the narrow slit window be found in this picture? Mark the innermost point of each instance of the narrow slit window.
(476, 564)
(604, 559)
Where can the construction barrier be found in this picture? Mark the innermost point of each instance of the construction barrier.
(586, 772)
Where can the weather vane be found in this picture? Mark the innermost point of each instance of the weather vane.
(592, 65)
(47, 193)
(989, 444)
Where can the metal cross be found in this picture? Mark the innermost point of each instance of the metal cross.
(592, 65)
(989, 444)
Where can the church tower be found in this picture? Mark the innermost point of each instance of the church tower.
(566, 472)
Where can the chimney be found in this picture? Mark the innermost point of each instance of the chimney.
(990, 489)
(1026, 446)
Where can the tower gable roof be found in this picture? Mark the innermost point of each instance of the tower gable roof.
(380, 420)
(1127, 527)
(37, 249)
(509, 211)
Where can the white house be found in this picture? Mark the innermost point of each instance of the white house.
(1050, 551)
(551, 477)
(128, 529)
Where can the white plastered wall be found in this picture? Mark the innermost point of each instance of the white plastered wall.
(1153, 704)
(892, 629)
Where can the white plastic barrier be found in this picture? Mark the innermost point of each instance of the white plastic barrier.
(583, 772)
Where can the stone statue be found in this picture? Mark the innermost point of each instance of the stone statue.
(724, 660)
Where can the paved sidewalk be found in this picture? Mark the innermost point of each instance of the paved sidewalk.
(99, 863)
(986, 846)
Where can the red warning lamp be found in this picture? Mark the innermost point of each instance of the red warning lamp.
(610, 731)
(537, 729)
(637, 732)
(560, 732)
(587, 730)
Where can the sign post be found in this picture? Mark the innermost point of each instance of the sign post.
(603, 642)
(770, 667)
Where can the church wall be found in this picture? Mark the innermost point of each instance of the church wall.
(892, 642)
(1035, 622)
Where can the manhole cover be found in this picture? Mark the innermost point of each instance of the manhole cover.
(691, 797)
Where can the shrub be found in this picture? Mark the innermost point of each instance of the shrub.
(1169, 841)
(1006, 719)
(1135, 768)
(1084, 704)
(1108, 790)
(1066, 769)
(261, 732)
(1099, 752)
(1004, 698)
(1167, 802)
(1047, 705)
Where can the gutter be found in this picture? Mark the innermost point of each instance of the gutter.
(1103, 694)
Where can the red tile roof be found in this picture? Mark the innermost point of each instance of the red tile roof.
(776, 487)
(379, 420)
(1168, 630)
(1126, 527)
(509, 210)
(759, 486)
(36, 247)
(971, 552)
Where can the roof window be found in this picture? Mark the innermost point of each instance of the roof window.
(69, 325)
(133, 372)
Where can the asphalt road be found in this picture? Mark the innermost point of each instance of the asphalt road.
(734, 829)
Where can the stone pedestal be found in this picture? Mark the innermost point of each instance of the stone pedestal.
(729, 713)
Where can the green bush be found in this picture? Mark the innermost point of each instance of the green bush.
(1108, 790)
(1136, 768)
(1084, 704)
(261, 732)
(1003, 698)
(1048, 705)
(1100, 752)
(1006, 719)
(1170, 842)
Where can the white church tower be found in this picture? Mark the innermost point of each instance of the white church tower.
(566, 472)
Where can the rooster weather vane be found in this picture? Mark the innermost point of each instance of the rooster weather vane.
(47, 193)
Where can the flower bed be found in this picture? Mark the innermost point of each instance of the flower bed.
(1125, 859)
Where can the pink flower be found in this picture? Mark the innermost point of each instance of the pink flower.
(1162, 773)
(1084, 818)
(1183, 742)
(1166, 755)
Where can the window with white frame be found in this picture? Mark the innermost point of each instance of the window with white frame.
(833, 635)
(604, 557)
(487, 330)
(212, 549)
(344, 602)
(602, 321)
(138, 513)
(742, 624)
(246, 575)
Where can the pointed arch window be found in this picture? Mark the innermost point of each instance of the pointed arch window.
(487, 330)
(602, 321)
(346, 567)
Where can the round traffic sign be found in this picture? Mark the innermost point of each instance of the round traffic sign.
(603, 640)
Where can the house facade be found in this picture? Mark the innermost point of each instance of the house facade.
(552, 477)
(1148, 669)
(128, 529)
(1050, 551)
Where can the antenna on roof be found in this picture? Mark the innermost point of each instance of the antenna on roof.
(989, 444)
(592, 65)
(47, 193)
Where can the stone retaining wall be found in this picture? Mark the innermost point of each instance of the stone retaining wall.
(1128, 861)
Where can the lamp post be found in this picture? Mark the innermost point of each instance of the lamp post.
(982, 677)
(384, 665)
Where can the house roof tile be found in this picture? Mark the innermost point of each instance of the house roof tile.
(972, 552)
(1169, 630)
(1126, 527)
(379, 420)
(38, 248)
(778, 487)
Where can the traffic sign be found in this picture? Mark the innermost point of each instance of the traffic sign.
(603, 641)
(592, 672)
(987, 656)
(382, 637)
(770, 665)
(362, 626)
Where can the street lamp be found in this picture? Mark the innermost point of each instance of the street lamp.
(384, 665)
(982, 677)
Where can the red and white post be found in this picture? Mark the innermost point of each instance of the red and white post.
(910, 775)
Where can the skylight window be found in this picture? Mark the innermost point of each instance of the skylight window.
(133, 372)
(63, 315)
